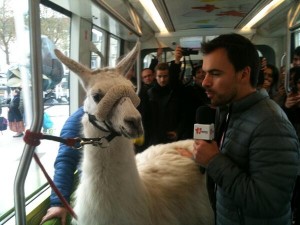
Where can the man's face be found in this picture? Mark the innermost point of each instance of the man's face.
(147, 76)
(199, 77)
(268, 73)
(296, 60)
(162, 77)
(221, 81)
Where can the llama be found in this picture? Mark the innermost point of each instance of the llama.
(117, 187)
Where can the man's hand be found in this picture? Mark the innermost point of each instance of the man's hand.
(178, 54)
(159, 53)
(205, 151)
(56, 212)
(172, 135)
(292, 100)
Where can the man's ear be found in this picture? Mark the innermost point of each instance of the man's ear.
(245, 74)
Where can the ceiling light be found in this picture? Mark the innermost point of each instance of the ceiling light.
(266, 10)
(152, 11)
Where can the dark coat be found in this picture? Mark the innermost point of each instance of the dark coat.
(165, 113)
(294, 116)
(195, 97)
(143, 107)
(256, 172)
(14, 114)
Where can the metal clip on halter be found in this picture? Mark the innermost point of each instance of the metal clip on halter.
(102, 142)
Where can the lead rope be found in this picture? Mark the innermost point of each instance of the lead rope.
(54, 188)
(33, 139)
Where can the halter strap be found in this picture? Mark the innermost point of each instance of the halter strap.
(113, 133)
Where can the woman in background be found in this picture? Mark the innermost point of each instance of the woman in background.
(271, 76)
(292, 108)
(15, 116)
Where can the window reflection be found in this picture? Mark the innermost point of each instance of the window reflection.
(55, 28)
(114, 50)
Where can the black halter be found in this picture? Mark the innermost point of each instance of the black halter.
(107, 128)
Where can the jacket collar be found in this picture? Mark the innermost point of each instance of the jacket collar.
(249, 101)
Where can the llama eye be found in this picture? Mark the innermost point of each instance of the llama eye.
(97, 97)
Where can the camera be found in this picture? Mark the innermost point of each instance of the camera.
(189, 51)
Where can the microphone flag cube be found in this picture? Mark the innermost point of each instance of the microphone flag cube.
(204, 131)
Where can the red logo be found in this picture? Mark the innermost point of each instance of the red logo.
(198, 130)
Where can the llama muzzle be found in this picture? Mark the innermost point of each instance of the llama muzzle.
(113, 95)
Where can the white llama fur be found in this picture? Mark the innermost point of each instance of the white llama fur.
(156, 187)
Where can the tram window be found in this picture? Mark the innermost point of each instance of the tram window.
(167, 56)
(297, 38)
(98, 58)
(147, 60)
(55, 29)
(114, 50)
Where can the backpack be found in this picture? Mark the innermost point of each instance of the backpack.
(47, 122)
(3, 123)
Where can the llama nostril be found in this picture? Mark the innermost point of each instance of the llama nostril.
(132, 122)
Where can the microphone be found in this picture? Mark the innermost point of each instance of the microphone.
(204, 128)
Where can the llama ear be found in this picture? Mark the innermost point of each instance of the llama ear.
(128, 61)
(82, 71)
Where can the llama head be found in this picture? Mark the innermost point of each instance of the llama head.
(110, 98)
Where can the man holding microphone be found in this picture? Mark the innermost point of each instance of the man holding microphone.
(254, 159)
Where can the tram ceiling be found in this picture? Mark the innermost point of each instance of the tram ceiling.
(191, 17)
(209, 17)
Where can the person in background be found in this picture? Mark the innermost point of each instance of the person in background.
(147, 76)
(296, 57)
(255, 159)
(165, 111)
(195, 97)
(175, 69)
(261, 74)
(292, 102)
(271, 76)
(15, 116)
(292, 108)
(280, 95)
(148, 81)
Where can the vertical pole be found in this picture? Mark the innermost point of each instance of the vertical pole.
(36, 78)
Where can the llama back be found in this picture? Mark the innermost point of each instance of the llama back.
(176, 187)
(108, 192)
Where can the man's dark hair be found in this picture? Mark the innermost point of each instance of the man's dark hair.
(297, 51)
(275, 74)
(162, 66)
(241, 53)
(295, 71)
(147, 68)
(196, 68)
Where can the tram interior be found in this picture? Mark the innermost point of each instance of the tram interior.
(186, 23)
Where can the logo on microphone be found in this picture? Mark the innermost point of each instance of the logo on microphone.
(204, 131)
(198, 130)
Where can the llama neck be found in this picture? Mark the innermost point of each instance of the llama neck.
(110, 183)
(113, 166)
